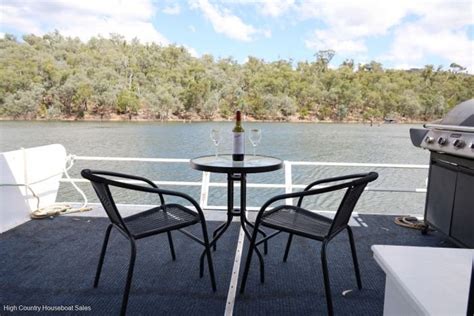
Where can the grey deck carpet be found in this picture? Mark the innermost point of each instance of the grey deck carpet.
(52, 262)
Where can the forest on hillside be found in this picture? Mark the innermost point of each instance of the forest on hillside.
(57, 77)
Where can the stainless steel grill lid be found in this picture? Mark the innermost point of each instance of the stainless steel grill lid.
(453, 135)
(461, 115)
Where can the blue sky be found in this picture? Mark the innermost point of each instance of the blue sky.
(399, 34)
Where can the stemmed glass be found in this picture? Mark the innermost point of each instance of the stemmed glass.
(255, 137)
(216, 138)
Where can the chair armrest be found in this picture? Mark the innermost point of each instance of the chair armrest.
(156, 190)
(300, 195)
(334, 179)
(328, 180)
(185, 197)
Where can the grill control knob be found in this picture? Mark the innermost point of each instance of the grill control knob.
(472, 145)
(459, 143)
(429, 139)
(442, 141)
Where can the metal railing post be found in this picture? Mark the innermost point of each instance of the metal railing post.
(288, 181)
(206, 176)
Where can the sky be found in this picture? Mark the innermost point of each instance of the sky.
(400, 34)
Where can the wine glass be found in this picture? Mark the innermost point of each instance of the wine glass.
(255, 137)
(216, 138)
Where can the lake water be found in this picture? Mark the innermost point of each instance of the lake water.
(387, 143)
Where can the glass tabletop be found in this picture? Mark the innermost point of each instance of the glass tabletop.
(225, 164)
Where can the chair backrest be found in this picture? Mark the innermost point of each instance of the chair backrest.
(102, 190)
(349, 201)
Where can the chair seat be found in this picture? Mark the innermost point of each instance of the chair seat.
(155, 220)
(298, 221)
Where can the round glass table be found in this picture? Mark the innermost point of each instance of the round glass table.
(236, 172)
(225, 164)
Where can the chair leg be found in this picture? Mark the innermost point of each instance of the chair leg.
(131, 265)
(287, 249)
(249, 259)
(170, 240)
(354, 258)
(102, 255)
(327, 286)
(214, 233)
(208, 254)
(265, 243)
(211, 268)
(201, 263)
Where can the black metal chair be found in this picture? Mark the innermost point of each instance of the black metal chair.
(295, 220)
(161, 219)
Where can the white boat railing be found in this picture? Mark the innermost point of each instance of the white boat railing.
(288, 184)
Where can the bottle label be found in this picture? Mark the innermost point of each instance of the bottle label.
(239, 144)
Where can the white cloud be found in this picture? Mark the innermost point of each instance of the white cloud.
(275, 8)
(328, 39)
(192, 28)
(15, 18)
(84, 19)
(405, 66)
(444, 14)
(267, 33)
(356, 18)
(413, 43)
(224, 22)
(420, 29)
(440, 29)
(349, 23)
(172, 10)
(191, 51)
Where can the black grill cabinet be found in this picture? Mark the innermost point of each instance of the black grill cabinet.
(450, 198)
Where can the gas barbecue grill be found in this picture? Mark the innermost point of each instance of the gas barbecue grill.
(449, 204)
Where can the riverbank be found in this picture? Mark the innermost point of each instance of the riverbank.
(291, 119)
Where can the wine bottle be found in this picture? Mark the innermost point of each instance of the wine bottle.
(238, 150)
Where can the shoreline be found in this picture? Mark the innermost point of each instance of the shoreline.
(199, 120)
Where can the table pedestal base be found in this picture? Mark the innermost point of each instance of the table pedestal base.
(231, 213)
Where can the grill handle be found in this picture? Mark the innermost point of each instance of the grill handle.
(456, 128)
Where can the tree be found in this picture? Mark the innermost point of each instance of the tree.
(162, 102)
(127, 103)
(211, 106)
(410, 105)
(323, 58)
(22, 103)
(456, 68)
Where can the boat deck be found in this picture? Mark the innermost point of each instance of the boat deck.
(52, 262)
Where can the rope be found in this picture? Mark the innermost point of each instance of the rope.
(410, 222)
(70, 160)
(57, 208)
